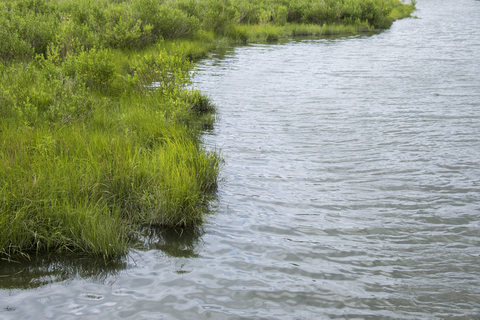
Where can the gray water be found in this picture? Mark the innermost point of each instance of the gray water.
(351, 190)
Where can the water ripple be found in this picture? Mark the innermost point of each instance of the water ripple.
(351, 189)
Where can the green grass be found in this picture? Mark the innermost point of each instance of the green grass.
(85, 178)
(83, 187)
(402, 11)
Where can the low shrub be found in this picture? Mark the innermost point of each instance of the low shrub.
(93, 67)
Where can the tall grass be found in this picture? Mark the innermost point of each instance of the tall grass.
(84, 176)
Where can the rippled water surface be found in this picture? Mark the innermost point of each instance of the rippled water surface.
(351, 190)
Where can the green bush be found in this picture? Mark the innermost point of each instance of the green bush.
(281, 15)
(375, 12)
(34, 92)
(168, 71)
(12, 46)
(166, 21)
(25, 31)
(246, 12)
(321, 13)
(219, 16)
(94, 67)
(123, 30)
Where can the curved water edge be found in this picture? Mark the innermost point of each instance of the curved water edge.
(351, 189)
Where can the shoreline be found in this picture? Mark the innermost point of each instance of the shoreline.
(89, 152)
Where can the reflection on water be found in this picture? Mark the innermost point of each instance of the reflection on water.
(174, 242)
(177, 243)
(48, 269)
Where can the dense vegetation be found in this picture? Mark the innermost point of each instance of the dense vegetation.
(100, 131)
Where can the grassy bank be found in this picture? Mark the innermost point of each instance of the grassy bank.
(81, 168)
(100, 132)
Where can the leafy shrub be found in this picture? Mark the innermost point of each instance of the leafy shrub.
(321, 13)
(166, 21)
(169, 71)
(31, 93)
(94, 67)
(24, 32)
(238, 33)
(191, 7)
(123, 30)
(247, 12)
(375, 12)
(295, 12)
(219, 16)
(281, 15)
(37, 7)
(12, 46)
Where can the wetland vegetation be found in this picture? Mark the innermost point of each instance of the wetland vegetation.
(100, 130)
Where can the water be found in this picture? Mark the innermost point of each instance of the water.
(351, 190)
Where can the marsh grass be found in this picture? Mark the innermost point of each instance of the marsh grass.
(100, 130)
(402, 11)
(86, 179)
(84, 187)
(270, 32)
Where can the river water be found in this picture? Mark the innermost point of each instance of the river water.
(351, 190)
